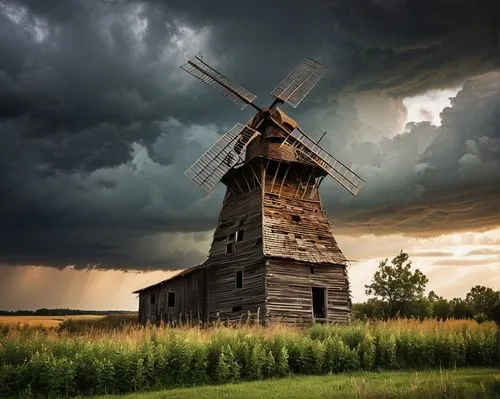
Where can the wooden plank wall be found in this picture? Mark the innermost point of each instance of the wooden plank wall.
(190, 299)
(223, 295)
(289, 291)
(310, 239)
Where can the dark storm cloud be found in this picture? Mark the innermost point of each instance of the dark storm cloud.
(97, 122)
(431, 180)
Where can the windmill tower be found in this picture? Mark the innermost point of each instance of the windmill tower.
(273, 250)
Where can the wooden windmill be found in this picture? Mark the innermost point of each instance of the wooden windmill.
(273, 250)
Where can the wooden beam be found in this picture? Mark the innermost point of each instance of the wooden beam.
(283, 181)
(246, 181)
(255, 175)
(300, 183)
(307, 184)
(275, 175)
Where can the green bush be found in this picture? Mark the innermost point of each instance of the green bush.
(65, 364)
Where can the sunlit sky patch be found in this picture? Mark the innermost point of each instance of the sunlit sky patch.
(427, 107)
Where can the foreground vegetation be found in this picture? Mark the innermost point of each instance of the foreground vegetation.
(457, 384)
(77, 359)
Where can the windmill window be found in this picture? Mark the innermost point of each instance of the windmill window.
(239, 236)
(296, 218)
(237, 308)
(239, 279)
(231, 237)
(153, 299)
(229, 247)
(171, 300)
(311, 270)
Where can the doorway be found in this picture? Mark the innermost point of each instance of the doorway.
(318, 303)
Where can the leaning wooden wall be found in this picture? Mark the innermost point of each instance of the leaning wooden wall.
(190, 299)
(243, 212)
(289, 286)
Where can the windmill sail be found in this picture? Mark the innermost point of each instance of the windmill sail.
(207, 171)
(299, 82)
(235, 93)
(336, 169)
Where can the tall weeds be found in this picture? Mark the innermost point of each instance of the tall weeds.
(75, 361)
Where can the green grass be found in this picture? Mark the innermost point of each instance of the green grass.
(460, 383)
(115, 357)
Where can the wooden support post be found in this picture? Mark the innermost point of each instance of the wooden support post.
(300, 183)
(238, 184)
(246, 181)
(255, 176)
(283, 181)
(258, 315)
(275, 175)
(249, 315)
(307, 184)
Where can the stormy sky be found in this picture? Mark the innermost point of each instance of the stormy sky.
(98, 122)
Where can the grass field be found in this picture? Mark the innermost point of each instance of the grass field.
(44, 321)
(460, 383)
(114, 355)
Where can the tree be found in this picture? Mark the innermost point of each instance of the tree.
(460, 309)
(482, 299)
(442, 309)
(433, 297)
(397, 284)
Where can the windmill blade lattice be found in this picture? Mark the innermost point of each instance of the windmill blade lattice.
(207, 171)
(299, 82)
(235, 93)
(335, 168)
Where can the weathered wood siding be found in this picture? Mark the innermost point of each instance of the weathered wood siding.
(299, 230)
(243, 212)
(190, 299)
(289, 294)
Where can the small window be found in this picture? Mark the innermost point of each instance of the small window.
(241, 223)
(239, 279)
(153, 299)
(229, 247)
(237, 308)
(296, 218)
(171, 300)
(311, 270)
(258, 241)
(239, 236)
(231, 237)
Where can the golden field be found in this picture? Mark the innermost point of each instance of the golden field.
(44, 321)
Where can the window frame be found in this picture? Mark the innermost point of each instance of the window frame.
(236, 272)
(168, 299)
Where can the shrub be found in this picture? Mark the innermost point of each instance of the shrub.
(54, 364)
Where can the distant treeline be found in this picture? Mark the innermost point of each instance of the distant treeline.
(481, 304)
(61, 312)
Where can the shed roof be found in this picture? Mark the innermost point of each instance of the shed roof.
(174, 277)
